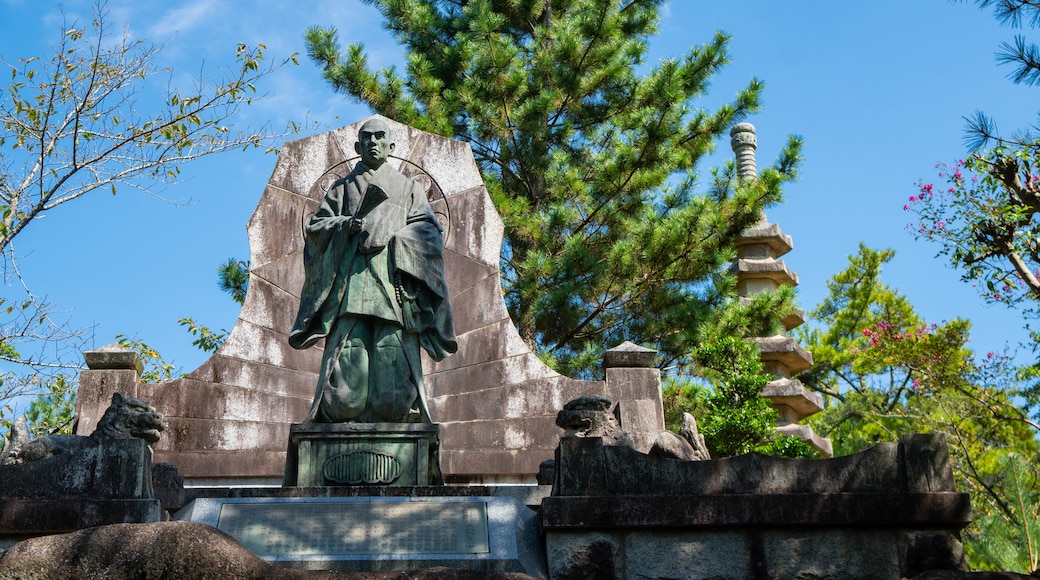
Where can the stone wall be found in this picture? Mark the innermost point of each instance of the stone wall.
(496, 402)
(889, 512)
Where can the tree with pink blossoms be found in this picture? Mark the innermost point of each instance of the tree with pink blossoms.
(884, 372)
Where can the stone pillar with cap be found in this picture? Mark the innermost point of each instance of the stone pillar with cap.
(759, 269)
(112, 368)
(634, 382)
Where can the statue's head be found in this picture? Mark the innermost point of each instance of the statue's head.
(374, 144)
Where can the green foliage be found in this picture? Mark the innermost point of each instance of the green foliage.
(156, 370)
(739, 420)
(884, 372)
(52, 410)
(233, 278)
(1013, 545)
(590, 155)
(206, 340)
(683, 395)
(981, 214)
(74, 121)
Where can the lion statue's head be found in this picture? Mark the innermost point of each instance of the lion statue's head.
(127, 418)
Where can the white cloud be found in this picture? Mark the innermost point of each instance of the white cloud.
(198, 13)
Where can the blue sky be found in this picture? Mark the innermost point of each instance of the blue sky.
(878, 90)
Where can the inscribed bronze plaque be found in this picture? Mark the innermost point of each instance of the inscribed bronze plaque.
(354, 528)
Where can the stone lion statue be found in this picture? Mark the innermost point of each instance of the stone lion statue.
(589, 416)
(125, 418)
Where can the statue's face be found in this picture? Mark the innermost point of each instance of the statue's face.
(374, 143)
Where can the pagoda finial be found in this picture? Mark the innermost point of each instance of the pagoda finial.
(744, 143)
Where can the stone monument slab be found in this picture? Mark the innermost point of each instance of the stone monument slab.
(379, 533)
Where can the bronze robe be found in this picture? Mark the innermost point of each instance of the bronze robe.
(391, 272)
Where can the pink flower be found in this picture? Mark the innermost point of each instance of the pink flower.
(913, 198)
(906, 207)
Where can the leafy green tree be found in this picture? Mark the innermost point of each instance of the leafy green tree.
(1015, 545)
(982, 214)
(590, 155)
(981, 211)
(738, 419)
(86, 119)
(884, 372)
(52, 411)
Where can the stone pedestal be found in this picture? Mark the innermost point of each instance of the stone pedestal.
(348, 454)
(376, 533)
(888, 512)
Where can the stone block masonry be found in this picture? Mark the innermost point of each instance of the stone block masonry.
(496, 403)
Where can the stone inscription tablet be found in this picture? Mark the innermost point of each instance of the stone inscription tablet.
(341, 529)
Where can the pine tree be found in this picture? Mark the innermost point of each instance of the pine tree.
(590, 155)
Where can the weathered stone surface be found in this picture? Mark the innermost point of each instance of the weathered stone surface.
(637, 391)
(582, 558)
(765, 269)
(504, 376)
(512, 401)
(588, 467)
(226, 464)
(949, 510)
(767, 234)
(28, 517)
(115, 469)
(791, 394)
(490, 466)
(221, 435)
(486, 291)
(502, 389)
(960, 575)
(168, 486)
(888, 512)
(95, 391)
(225, 370)
(350, 454)
(181, 550)
(112, 356)
(876, 553)
(478, 229)
(786, 351)
(60, 483)
(628, 354)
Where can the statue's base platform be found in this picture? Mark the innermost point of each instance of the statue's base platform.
(350, 454)
(375, 533)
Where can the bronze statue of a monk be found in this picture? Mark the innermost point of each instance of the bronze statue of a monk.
(374, 290)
